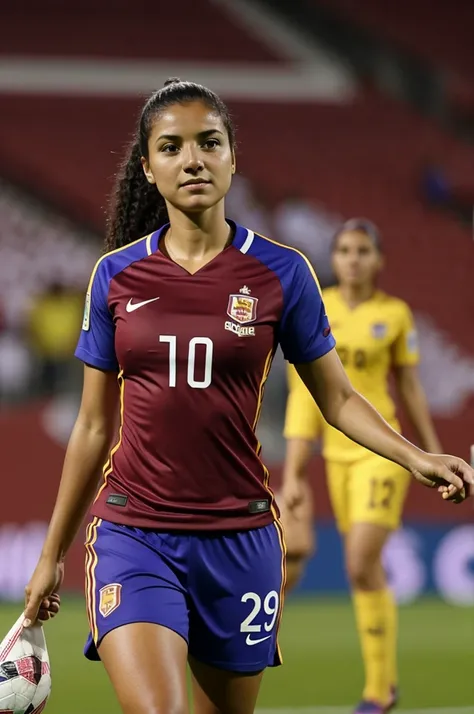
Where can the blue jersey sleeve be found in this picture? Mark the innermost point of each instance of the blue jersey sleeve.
(305, 333)
(96, 344)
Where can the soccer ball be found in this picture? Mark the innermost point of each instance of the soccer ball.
(25, 677)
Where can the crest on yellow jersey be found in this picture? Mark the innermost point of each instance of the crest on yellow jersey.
(379, 330)
(110, 598)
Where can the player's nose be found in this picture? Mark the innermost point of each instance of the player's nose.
(192, 161)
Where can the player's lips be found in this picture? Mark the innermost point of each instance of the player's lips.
(195, 183)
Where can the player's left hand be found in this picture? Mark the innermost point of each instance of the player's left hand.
(453, 476)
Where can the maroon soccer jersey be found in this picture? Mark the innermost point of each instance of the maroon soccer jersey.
(192, 354)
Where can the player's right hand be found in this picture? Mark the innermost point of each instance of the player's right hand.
(41, 594)
(452, 475)
(292, 492)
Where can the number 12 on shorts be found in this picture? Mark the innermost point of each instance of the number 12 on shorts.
(270, 607)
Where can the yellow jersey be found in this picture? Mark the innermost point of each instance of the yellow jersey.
(371, 338)
(53, 324)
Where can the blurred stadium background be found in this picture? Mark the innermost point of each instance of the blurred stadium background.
(343, 108)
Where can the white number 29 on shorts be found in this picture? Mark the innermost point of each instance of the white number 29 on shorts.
(270, 607)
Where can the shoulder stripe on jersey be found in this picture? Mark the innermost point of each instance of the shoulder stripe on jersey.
(148, 244)
(295, 250)
(248, 241)
(111, 252)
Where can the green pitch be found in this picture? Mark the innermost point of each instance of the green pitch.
(321, 659)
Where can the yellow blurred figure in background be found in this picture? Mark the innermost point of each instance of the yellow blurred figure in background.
(53, 326)
(375, 336)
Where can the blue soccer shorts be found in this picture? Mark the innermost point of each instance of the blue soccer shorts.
(221, 592)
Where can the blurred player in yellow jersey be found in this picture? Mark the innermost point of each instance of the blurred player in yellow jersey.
(375, 336)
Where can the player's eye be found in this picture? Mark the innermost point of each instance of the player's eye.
(211, 144)
(169, 149)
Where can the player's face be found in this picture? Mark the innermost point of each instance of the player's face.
(189, 157)
(356, 261)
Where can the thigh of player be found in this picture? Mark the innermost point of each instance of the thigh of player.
(377, 491)
(337, 476)
(235, 609)
(137, 609)
(235, 588)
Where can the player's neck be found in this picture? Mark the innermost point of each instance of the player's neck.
(354, 295)
(197, 237)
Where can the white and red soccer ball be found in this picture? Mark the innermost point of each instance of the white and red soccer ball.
(25, 676)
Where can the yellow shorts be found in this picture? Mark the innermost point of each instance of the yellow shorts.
(369, 490)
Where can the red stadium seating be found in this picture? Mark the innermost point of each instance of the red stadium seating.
(109, 29)
(440, 32)
(363, 160)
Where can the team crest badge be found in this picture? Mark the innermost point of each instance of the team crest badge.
(242, 308)
(110, 597)
(379, 330)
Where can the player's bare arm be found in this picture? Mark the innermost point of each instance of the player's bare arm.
(295, 470)
(413, 396)
(301, 431)
(85, 455)
(348, 411)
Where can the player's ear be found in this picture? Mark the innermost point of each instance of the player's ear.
(234, 163)
(147, 171)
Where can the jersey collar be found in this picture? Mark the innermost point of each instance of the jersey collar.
(243, 238)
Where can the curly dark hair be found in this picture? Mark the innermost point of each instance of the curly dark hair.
(136, 207)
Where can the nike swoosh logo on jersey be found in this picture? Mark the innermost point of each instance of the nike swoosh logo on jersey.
(256, 642)
(130, 307)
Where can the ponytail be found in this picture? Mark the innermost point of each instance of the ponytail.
(136, 208)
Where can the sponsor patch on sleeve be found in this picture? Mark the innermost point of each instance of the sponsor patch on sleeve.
(87, 312)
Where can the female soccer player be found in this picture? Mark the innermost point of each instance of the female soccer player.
(375, 335)
(185, 559)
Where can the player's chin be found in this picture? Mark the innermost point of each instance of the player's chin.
(355, 280)
(199, 201)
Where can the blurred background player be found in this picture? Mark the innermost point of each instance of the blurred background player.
(375, 337)
(52, 329)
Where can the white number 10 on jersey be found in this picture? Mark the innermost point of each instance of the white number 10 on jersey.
(207, 343)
